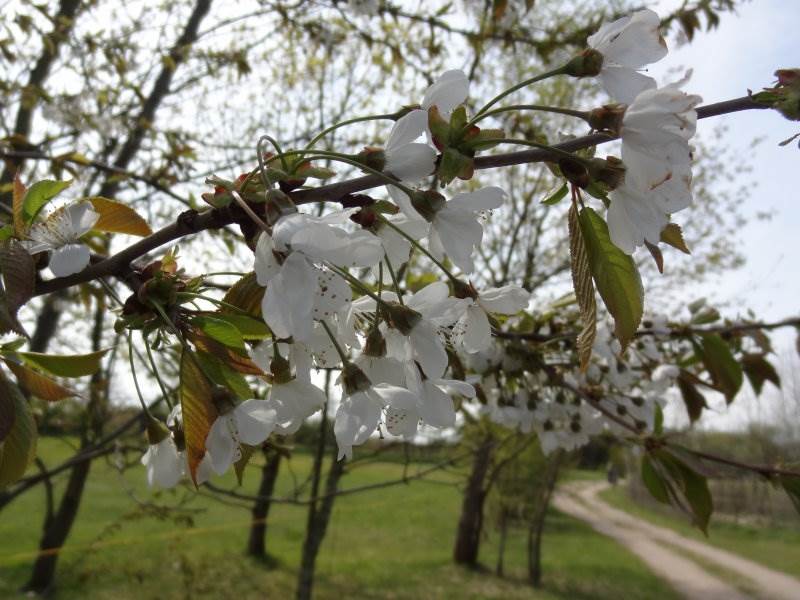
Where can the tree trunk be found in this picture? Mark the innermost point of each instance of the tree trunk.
(57, 529)
(470, 524)
(536, 527)
(317, 528)
(501, 550)
(256, 545)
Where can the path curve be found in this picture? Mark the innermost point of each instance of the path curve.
(657, 547)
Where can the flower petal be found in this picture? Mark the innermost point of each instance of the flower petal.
(69, 259)
(255, 420)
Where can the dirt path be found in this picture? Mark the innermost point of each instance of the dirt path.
(660, 549)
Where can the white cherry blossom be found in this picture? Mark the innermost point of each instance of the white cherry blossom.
(164, 464)
(251, 422)
(456, 229)
(628, 44)
(293, 402)
(59, 234)
(472, 332)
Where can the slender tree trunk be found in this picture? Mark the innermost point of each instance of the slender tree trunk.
(57, 530)
(256, 545)
(536, 527)
(501, 550)
(470, 524)
(317, 528)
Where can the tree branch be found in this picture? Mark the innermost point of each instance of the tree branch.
(192, 222)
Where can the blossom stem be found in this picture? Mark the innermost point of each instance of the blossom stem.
(537, 107)
(156, 374)
(253, 216)
(334, 341)
(394, 280)
(324, 132)
(213, 301)
(541, 77)
(135, 378)
(260, 152)
(356, 283)
(347, 160)
(421, 248)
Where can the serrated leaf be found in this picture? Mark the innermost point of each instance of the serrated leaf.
(718, 359)
(17, 196)
(556, 195)
(37, 384)
(64, 365)
(658, 257)
(615, 276)
(759, 370)
(692, 397)
(37, 197)
(222, 331)
(684, 484)
(246, 295)
(19, 447)
(236, 360)
(672, 235)
(584, 290)
(116, 217)
(198, 410)
(653, 481)
(19, 274)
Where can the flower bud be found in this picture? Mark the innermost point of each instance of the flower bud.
(607, 118)
(354, 380)
(427, 203)
(401, 317)
(157, 432)
(587, 64)
(609, 171)
(280, 369)
(376, 343)
(222, 399)
(374, 158)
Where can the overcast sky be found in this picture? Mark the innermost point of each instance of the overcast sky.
(743, 53)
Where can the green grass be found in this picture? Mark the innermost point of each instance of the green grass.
(388, 543)
(772, 546)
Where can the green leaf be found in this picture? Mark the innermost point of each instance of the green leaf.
(653, 481)
(556, 195)
(683, 484)
(116, 217)
(222, 331)
(19, 447)
(38, 195)
(615, 275)
(248, 327)
(672, 234)
(74, 365)
(223, 375)
(725, 372)
(199, 412)
(692, 397)
(759, 370)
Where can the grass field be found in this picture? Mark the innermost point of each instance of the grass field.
(389, 543)
(777, 547)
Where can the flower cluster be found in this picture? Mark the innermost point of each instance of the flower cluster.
(336, 296)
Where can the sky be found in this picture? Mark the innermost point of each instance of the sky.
(743, 53)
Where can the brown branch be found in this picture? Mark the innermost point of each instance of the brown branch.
(192, 222)
(765, 470)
